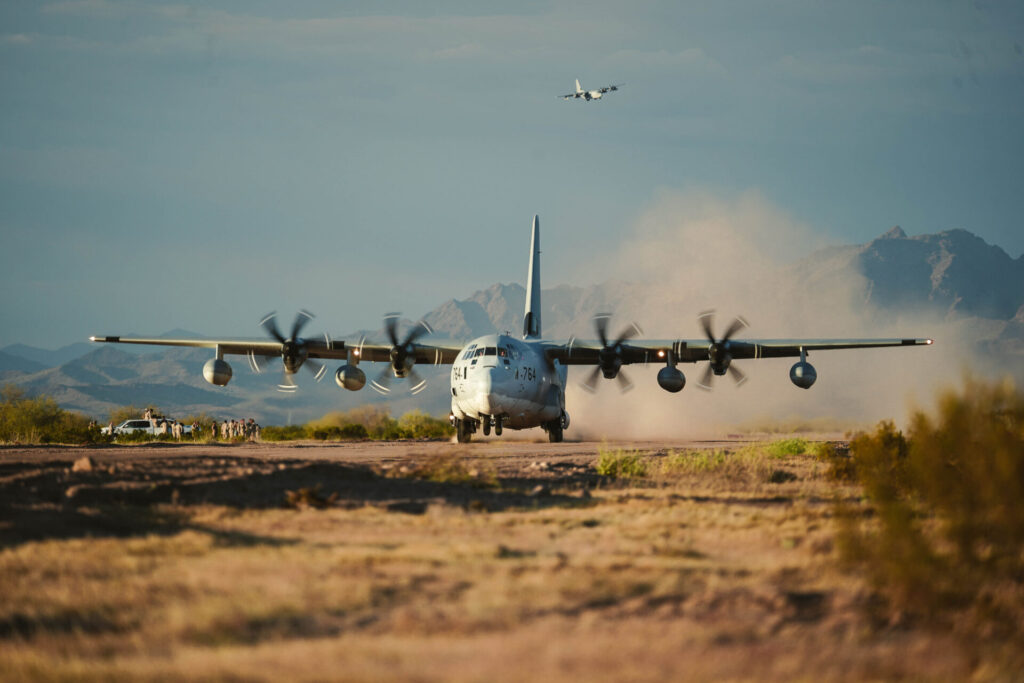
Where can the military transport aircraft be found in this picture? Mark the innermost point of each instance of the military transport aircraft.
(501, 381)
(590, 94)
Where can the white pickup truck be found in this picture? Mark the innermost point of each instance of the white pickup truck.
(147, 426)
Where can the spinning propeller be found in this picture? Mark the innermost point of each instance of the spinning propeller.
(719, 360)
(610, 355)
(294, 350)
(402, 356)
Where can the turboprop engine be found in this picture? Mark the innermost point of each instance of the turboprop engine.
(803, 374)
(217, 371)
(671, 379)
(350, 377)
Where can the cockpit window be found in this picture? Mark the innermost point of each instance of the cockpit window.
(502, 352)
(469, 352)
(490, 351)
(478, 352)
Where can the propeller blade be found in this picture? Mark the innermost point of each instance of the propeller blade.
(706, 319)
(255, 363)
(632, 331)
(737, 374)
(421, 328)
(382, 385)
(624, 382)
(391, 327)
(316, 367)
(737, 325)
(301, 319)
(269, 323)
(287, 384)
(706, 380)
(601, 326)
(590, 384)
(416, 382)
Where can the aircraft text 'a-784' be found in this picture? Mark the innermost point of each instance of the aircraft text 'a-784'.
(501, 381)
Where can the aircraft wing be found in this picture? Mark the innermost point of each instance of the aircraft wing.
(327, 348)
(580, 352)
(611, 88)
(570, 96)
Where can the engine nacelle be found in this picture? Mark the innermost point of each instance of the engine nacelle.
(803, 374)
(350, 377)
(671, 379)
(217, 371)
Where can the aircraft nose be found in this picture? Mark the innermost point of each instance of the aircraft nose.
(486, 388)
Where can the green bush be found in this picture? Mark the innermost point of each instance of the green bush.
(693, 462)
(947, 536)
(288, 433)
(620, 464)
(419, 425)
(786, 447)
(40, 420)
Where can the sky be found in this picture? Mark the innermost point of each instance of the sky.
(168, 165)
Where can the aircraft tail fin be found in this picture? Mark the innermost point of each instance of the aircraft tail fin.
(531, 319)
(578, 88)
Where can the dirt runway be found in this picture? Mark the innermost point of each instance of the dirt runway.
(497, 560)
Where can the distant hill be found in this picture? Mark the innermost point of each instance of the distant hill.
(953, 273)
(11, 365)
(46, 358)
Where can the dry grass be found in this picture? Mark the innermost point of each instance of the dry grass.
(704, 570)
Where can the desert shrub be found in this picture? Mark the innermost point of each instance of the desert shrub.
(419, 425)
(841, 467)
(40, 420)
(375, 422)
(336, 433)
(287, 433)
(946, 539)
(620, 464)
(353, 431)
(786, 447)
(693, 462)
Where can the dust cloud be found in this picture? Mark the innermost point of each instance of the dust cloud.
(742, 255)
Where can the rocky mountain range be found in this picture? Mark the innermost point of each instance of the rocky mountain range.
(954, 275)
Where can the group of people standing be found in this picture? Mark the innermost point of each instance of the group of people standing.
(230, 429)
(166, 426)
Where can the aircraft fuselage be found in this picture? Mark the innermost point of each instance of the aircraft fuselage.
(499, 376)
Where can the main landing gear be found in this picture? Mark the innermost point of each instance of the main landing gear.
(556, 428)
(554, 431)
(464, 429)
(491, 420)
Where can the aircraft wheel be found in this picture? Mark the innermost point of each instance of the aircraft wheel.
(487, 425)
(555, 431)
(497, 426)
(463, 431)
